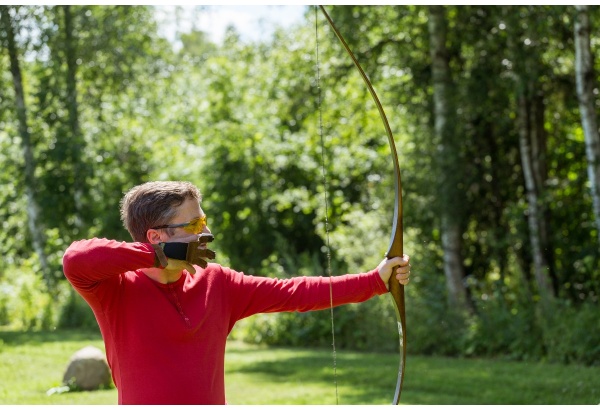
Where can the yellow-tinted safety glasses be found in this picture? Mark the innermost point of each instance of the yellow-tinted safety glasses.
(194, 226)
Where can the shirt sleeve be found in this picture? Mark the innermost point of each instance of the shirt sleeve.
(87, 263)
(253, 294)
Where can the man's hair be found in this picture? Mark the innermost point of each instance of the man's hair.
(154, 203)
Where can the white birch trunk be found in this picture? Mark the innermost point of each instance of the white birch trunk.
(532, 148)
(584, 73)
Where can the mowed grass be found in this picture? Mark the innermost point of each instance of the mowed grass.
(33, 362)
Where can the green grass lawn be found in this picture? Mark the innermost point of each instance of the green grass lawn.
(32, 363)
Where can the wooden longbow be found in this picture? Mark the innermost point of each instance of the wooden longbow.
(395, 248)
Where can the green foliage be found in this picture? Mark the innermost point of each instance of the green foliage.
(24, 300)
(75, 313)
(243, 122)
(288, 329)
(569, 334)
(368, 326)
(433, 329)
(511, 331)
(26, 303)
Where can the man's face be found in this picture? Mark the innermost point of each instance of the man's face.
(189, 211)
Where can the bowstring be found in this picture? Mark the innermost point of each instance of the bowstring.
(326, 200)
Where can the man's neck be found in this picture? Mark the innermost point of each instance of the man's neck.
(163, 275)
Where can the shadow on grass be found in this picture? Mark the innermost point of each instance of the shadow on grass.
(363, 378)
(370, 378)
(34, 338)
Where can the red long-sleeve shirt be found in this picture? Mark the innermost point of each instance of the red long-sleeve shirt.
(165, 343)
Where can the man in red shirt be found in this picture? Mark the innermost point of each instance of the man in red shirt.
(164, 320)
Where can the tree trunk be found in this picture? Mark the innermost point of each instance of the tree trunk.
(532, 143)
(585, 77)
(448, 156)
(530, 111)
(36, 229)
(76, 143)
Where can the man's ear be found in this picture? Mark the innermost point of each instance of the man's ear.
(153, 236)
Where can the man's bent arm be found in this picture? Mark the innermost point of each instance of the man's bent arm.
(88, 262)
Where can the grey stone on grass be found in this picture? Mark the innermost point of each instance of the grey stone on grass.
(87, 370)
